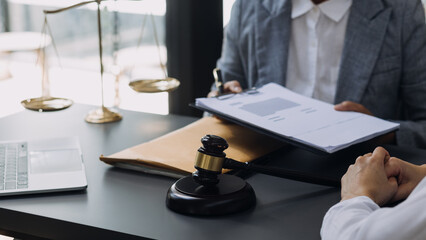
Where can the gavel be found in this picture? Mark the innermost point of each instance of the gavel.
(209, 192)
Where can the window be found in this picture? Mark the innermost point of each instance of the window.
(75, 74)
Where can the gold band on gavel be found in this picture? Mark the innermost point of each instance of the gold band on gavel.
(208, 162)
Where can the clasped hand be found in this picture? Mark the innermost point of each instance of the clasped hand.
(382, 178)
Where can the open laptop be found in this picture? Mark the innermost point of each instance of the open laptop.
(36, 166)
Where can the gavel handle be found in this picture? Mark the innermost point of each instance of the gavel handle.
(280, 172)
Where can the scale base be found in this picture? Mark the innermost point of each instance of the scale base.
(103, 115)
(230, 195)
(42, 104)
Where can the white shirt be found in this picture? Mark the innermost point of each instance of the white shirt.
(361, 218)
(316, 45)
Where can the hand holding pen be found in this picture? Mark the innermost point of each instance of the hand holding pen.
(224, 88)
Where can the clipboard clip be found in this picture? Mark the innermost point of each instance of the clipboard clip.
(250, 91)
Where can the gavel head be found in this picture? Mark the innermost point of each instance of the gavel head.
(209, 160)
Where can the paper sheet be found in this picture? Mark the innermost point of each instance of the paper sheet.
(299, 118)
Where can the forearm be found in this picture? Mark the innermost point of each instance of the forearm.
(345, 219)
(361, 218)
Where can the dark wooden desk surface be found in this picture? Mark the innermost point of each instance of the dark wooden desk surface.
(123, 204)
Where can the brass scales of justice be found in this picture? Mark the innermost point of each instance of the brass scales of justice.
(102, 114)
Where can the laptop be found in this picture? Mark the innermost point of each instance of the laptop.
(37, 166)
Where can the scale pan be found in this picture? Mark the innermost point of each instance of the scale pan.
(46, 103)
(155, 85)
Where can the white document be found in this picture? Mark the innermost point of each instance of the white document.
(280, 111)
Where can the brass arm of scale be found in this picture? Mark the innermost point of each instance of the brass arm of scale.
(208, 162)
(70, 7)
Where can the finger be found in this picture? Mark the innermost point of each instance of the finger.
(393, 182)
(402, 193)
(348, 106)
(352, 106)
(359, 160)
(383, 150)
(379, 155)
(387, 157)
(213, 94)
(393, 189)
(345, 106)
(232, 86)
(392, 168)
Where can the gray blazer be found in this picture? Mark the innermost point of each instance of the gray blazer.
(383, 65)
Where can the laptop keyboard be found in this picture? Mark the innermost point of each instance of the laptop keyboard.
(13, 166)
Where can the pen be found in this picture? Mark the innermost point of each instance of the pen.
(218, 80)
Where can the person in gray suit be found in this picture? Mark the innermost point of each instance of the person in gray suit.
(365, 55)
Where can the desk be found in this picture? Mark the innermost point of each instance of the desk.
(123, 204)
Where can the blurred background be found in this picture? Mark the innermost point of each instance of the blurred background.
(189, 35)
